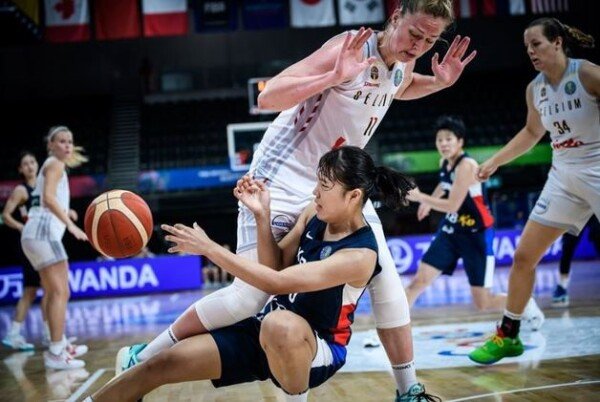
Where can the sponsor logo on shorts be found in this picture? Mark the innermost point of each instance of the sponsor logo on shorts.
(282, 222)
(325, 252)
(541, 206)
(570, 88)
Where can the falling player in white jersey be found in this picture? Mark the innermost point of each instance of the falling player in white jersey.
(335, 96)
(562, 99)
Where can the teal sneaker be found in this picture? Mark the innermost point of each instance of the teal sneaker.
(497, 347)
(417, 393)
(127, 357)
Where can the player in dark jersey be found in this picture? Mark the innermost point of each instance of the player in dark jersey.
(467, 229)
(20, 199)
(299, 338)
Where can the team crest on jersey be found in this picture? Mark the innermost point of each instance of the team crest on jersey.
(543, 92)
(398, 77)
(325, 252)
(570, 88)
(374, 73)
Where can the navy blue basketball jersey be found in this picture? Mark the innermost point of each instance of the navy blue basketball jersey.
(329, 311)
(24, 209)
(474, 214)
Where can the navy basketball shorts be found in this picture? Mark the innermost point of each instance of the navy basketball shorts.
(475, 249)
(243, 359)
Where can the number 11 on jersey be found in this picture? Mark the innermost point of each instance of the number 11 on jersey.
(372, 123)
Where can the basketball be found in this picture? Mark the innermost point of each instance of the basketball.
(118, 223)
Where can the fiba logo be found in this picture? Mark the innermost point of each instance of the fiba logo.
(402, 254)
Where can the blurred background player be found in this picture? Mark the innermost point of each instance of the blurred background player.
(467, 230)
(562, 99)
(560, 297)
(20, 199)
(41, 240)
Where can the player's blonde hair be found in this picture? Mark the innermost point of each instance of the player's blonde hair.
(553, 28)
(77, 158)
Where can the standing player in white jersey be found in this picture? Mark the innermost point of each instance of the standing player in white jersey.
(336, 96)
(41, 240)
(564, 100)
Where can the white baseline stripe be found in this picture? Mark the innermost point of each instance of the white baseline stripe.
(514, 391)
(86, 385)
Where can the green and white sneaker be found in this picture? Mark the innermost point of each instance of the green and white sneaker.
(497, 347)
(417, 393)
(127, 357)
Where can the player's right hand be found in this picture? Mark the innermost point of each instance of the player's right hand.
(76, 232)
(485, 170)
(349, 62)
(254, 194)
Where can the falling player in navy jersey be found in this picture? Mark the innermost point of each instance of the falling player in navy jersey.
(318, 270)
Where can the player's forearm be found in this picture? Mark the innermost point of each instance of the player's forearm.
(284, 92)
(520, 144)
(439, 204)
(252, 272)
(269, 252)
(52, 204)
(421, 86)
(12, 222)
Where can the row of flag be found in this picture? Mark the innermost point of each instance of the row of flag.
(69, 20)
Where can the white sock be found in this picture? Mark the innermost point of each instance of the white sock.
(15, 328)
(303, 397)
(56, 348)
(405, 375)
(163, 341)
(46, 330)
(564, 281)
(513, 316)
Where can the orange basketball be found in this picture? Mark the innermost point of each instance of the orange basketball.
(118, 223)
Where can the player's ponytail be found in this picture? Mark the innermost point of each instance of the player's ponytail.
(393, 186)
(553, 28)
(77, 158)
(354, 168)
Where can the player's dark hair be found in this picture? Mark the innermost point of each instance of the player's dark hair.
(451, 123)
(354, 168)
(25, 153)
(553, 28)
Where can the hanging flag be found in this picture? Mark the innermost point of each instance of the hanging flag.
(465, 8)
(488, 8)
(516, 7)
(165, 17)
(215, 15)
(67, 20)
(31, 8)
(390, 7)
(549, 6)
(117, 19)
(265, 14)
(359, 12)
(312, 13)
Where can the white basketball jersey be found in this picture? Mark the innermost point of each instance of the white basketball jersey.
(42, 223)
(347, 114)
(571, 115)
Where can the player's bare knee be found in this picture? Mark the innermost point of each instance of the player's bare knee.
(280, 330)
(523, 261)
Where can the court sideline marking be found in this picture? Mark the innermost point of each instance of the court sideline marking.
(514, 391)
(83, 387)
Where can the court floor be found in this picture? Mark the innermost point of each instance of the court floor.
(561, 362)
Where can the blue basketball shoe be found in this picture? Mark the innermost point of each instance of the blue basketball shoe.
(560, 297)
(417, 393)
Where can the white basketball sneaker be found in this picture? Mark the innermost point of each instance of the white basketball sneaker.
(17, 342)
(76, 350)
(533, 316)
(62, 361)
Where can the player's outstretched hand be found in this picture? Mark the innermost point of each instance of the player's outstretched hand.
(414, 195)
(486, 169)
(254, 194)
(349, 62)
(188, 240)
(454, 62)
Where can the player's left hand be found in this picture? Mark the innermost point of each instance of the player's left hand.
(73, 215)
(449, 70)
(188, 240)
